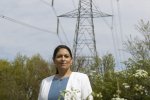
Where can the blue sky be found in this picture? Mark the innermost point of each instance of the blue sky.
(16, 38)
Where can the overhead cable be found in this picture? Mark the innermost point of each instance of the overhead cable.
(113, 18)
(112, 31)
(59, 38)
(74, 4)
(47, 3)
(27, 25)
(59, 21)
(102, 17)
(120, 27)
(61, 27)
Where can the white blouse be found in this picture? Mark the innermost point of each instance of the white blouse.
(77, 81)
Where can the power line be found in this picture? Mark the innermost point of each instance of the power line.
(103, 24)
(24, 24)
(120, 27)
(115, 31)
(112, 31)
(59, 21)
(30, 26)
(46, 3)
(102, 17)
(61, 27)
(100, 12)
(74, 4)
(59, 38)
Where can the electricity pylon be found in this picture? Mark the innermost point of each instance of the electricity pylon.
(84, 33)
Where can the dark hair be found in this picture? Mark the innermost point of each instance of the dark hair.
(57, 49)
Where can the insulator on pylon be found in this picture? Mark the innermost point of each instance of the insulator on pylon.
(57, 25)
(52, 2)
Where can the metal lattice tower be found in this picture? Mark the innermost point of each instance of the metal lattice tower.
(84, 33)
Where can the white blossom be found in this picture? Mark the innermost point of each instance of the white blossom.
(127, 87)
(141, 74)
(94, 71)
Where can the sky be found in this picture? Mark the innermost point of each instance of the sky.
(15, 38)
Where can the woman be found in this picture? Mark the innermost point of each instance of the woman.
(76, 84)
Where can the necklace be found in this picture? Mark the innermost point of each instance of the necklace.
(59, 82)
(57, 76)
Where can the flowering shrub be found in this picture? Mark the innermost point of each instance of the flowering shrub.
(129, 85)
(71, 95)
(141, 74)
(98, 95)
(119, 85)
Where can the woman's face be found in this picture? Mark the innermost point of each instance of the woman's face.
(63, 59)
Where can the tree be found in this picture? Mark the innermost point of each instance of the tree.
(37, 69)
(140, 48)
(101, 65)
(80, 65)
(140, 51)
(102, 80)
(5, 68)
(20, 79)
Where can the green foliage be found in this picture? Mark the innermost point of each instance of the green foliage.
(140, 51)
(4, 73)
(80, 65)
(139, 48)
(132, 83)
(20, 79)
(101, 80)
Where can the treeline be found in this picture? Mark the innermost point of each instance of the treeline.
(20, 79)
